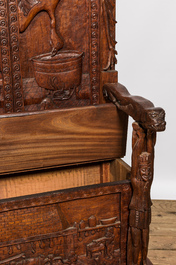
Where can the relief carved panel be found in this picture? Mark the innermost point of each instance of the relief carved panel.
(59, 235)
(46, 62)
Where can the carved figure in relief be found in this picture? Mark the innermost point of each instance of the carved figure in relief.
(140, 206)
(102, 250)
(28, 10)
(98, 250)
(60, 73)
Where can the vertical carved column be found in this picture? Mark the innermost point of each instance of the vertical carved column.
(11, 69)
(94, 58)
(5, 56)
(143, 142)
(18, 105)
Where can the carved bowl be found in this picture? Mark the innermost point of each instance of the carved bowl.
(59, 73)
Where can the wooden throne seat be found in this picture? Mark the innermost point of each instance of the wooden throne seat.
(66, 195)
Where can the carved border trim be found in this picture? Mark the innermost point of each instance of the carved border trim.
(61, 196)
(95, 60)
(16, 67)
(5, 51)
(9, 34)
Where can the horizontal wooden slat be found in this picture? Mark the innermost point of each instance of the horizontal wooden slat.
(61, 137)
(22, 184)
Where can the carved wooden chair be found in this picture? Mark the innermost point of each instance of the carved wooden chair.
(66, 195)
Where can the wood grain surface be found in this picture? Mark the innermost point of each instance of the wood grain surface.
(83, 221)
(22, 184)
(16, 185)
(162, 248)
(49, 139)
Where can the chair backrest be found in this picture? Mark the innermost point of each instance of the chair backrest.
(55, 57)
(53, 53)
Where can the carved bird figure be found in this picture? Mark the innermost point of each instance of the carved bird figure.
(28, 9)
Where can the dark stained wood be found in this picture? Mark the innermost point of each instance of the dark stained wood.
(38, 43)
(107, 77)
(108, 16)
(58, 138)
(139, 108)
(149, 120)
(140, 205)
(62, 226)
(55, 59)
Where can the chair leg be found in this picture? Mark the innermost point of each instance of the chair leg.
(143, 143)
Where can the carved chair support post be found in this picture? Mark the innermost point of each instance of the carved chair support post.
(148, 121)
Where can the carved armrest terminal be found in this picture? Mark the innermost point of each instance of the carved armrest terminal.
(148, 121)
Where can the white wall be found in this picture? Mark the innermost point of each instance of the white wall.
(146, 34)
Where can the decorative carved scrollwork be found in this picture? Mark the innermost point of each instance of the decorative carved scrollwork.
(95, 51)
(5, 53)
(11, 69)
(16, 66)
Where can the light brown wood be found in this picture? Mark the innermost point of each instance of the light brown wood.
(105, 175)
(49, 180)
(57, 179)
(162, 247)
(119, 170)
(61, 137)
(162, 257)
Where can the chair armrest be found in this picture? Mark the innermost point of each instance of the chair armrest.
(139, 108)
(148, 121)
